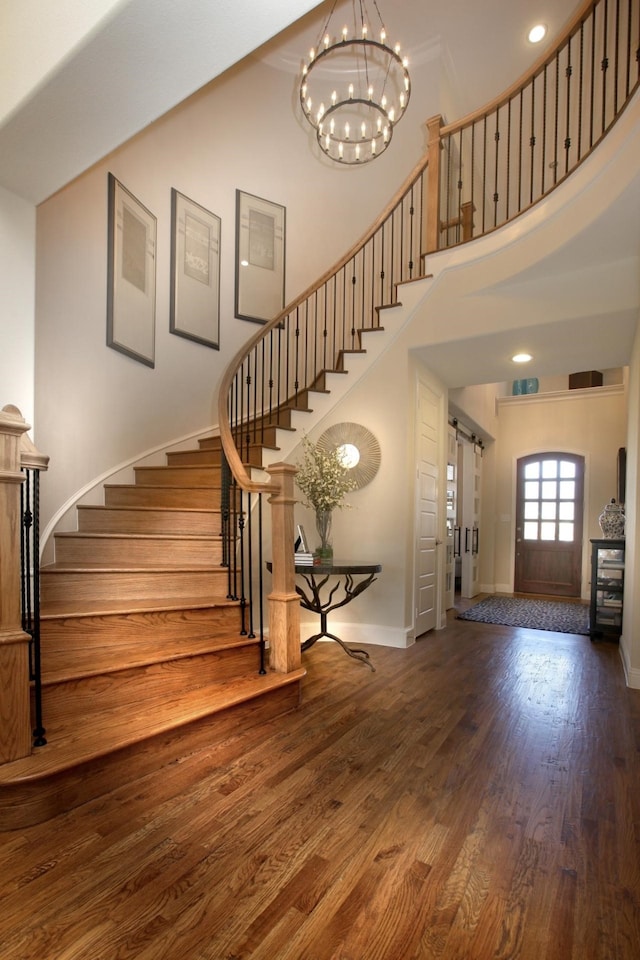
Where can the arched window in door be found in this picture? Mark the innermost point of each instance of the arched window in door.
(549, 509)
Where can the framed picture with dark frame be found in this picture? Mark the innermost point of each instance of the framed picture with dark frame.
(195, 272)
(260, 258)
(131, 275)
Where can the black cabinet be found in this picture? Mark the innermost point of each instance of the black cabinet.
(607, 589)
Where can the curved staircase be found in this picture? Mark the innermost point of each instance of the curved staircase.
(144, 655)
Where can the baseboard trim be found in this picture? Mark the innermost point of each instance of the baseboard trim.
(356, 633)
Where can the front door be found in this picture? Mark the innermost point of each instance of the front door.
(549, 524)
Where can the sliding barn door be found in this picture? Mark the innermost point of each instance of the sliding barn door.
(470, 480)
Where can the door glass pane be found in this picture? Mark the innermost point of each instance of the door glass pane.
(549, 489)
(549, 468)
(567, 489)
(532, 471)
(530, 530)
(567, 469)
(531, 490)
(565, 532)
(549, 510)
(547, 531)
(567, 510)
(531, 510)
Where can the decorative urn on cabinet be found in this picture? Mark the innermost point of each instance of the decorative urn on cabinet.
(611, 521)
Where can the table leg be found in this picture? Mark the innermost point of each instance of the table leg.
(354, 652)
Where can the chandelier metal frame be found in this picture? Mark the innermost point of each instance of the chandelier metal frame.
(354, 90)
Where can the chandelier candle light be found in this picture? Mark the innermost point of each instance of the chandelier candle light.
(354, 89)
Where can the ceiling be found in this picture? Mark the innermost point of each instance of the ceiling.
(127, 66)
(137, 59)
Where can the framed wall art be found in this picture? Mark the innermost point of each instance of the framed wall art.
(260, 258)
(195, 272)
(131, 275)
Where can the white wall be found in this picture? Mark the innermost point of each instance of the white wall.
(591, 423)
(17, 282)
(630, 641)
(97, 408)
(381, 525)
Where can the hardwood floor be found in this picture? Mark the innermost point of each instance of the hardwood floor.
(477, 797)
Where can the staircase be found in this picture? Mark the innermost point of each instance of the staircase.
(144, 656)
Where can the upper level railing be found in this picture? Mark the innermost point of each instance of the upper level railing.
(516, 149)
(477, 175)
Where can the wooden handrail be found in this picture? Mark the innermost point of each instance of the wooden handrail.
(233, 457)
(525, 79)
(514, 150)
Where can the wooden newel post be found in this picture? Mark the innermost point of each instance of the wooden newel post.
(432, 219)
(284, 602)
(15, 713)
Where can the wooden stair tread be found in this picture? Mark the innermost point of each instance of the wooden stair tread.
(95, 608)
(180, 467)
(108, 535)
(86, 567)
(93, 662)
(142, 509)
(110, 731)
(166, 486)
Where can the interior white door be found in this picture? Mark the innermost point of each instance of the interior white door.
(452, 513)
(471, 470)
(426, 561)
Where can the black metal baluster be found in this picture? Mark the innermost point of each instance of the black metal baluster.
(580, 91)
(458, 217)
(484, 172)
(604, 63)
(239, 559)
(532, 143)
(473, 174)
(496, 195)
(567, 139)
(30, 589)
(556, 119)
(39, 730)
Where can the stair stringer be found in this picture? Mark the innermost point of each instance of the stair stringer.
(339, 383)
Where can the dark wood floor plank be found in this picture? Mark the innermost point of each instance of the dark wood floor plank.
(477, 798)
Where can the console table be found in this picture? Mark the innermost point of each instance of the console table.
(351, 579)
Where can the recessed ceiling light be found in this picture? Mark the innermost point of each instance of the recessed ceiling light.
(537, 33)
(522, 358)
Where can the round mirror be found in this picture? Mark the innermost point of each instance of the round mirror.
(349, 455)
(359, 450)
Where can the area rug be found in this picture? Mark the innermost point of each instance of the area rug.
(535, 614)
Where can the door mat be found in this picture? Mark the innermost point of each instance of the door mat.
(555, 615)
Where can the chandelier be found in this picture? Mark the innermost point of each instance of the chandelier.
(354, 89)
